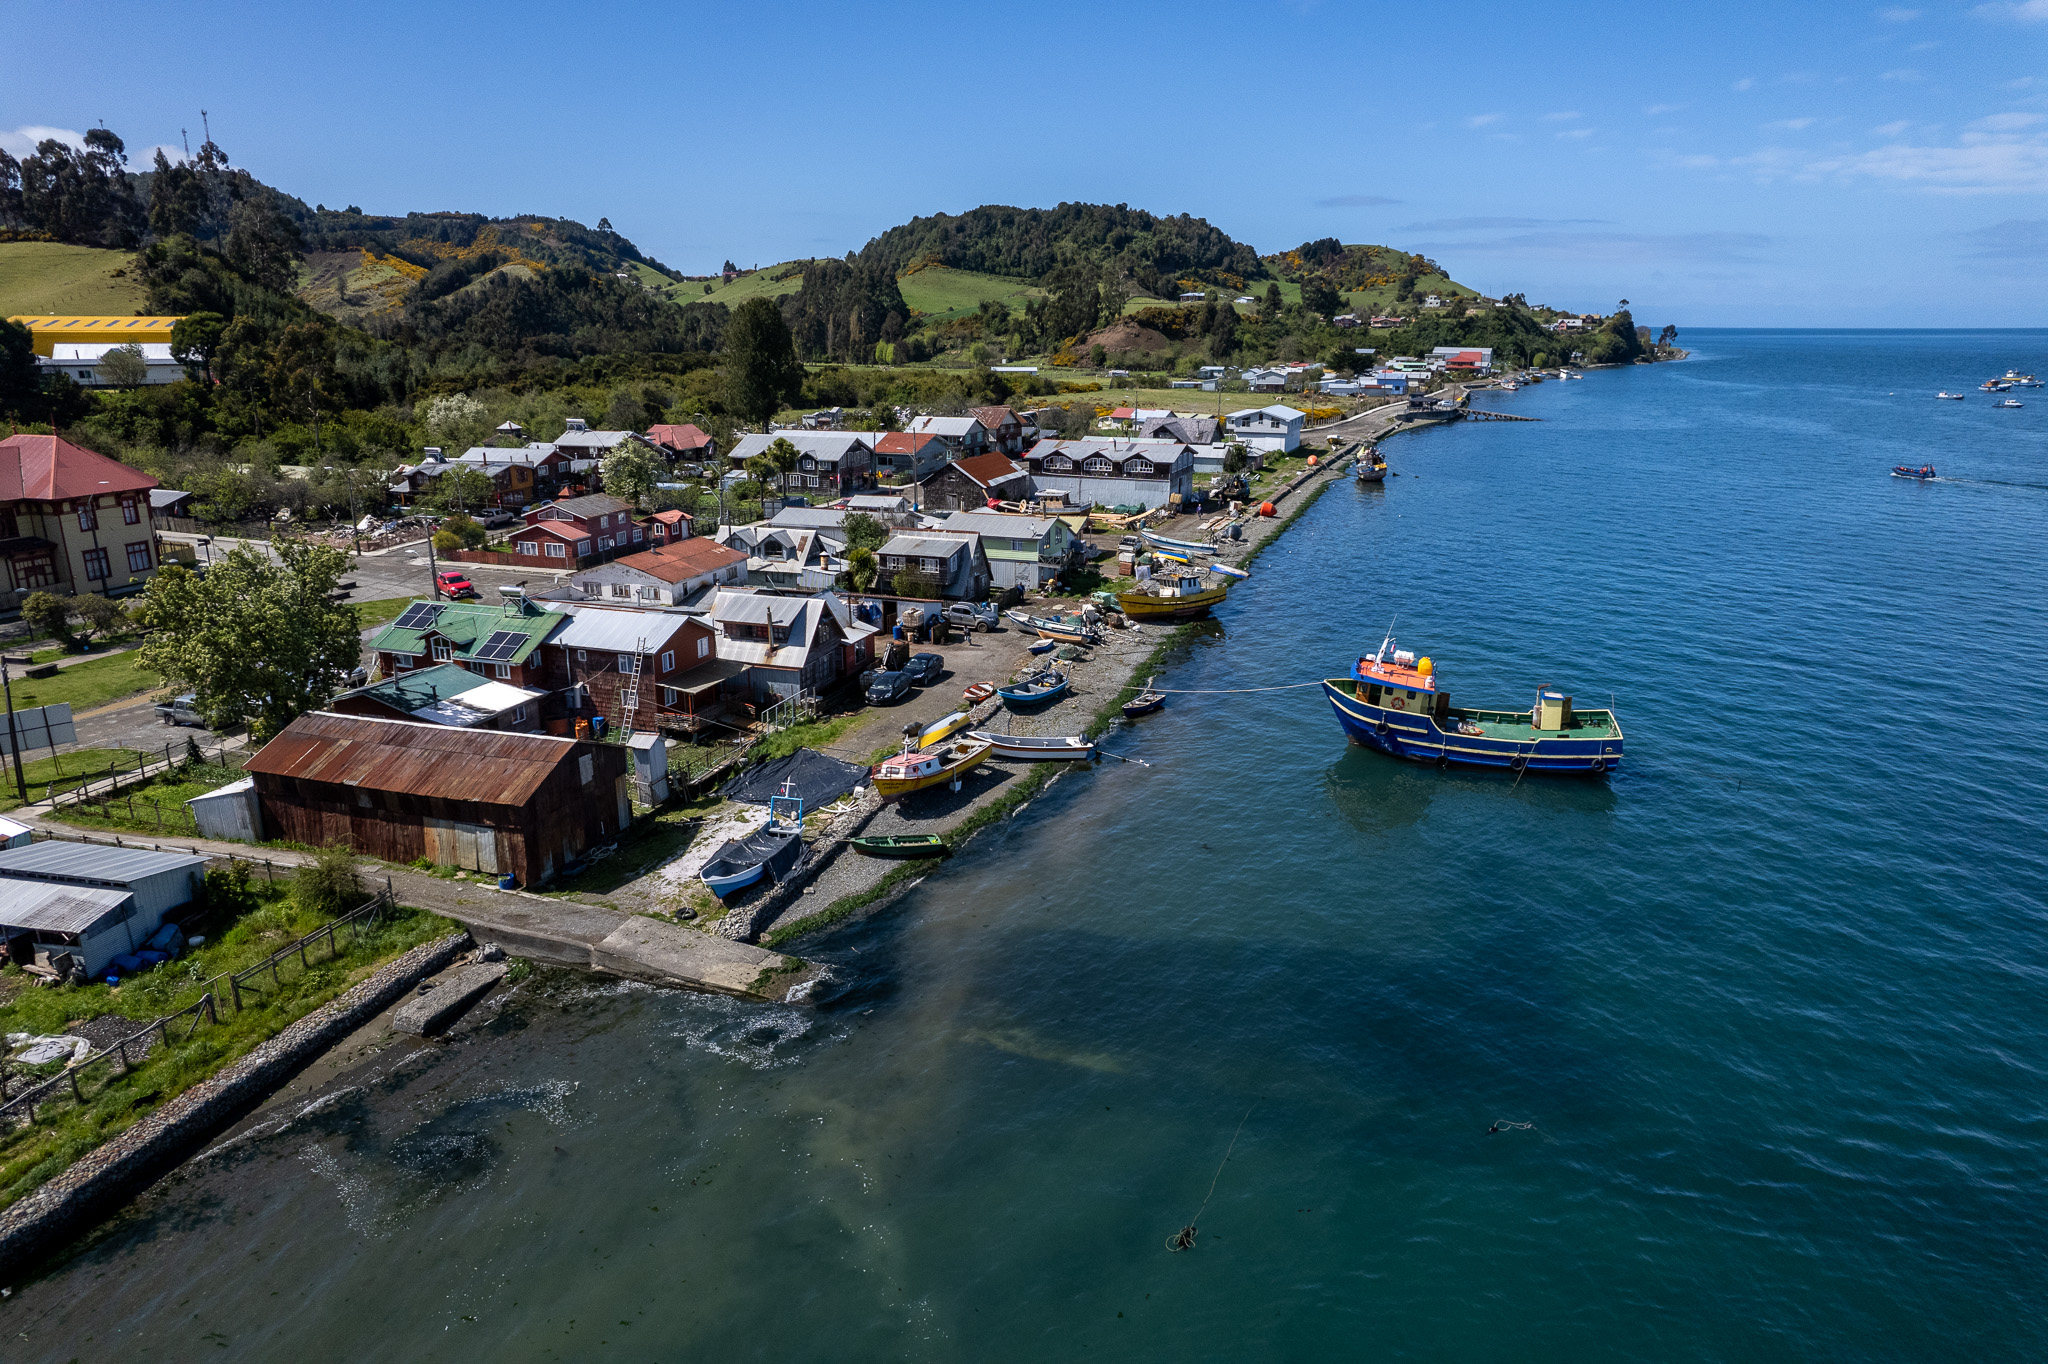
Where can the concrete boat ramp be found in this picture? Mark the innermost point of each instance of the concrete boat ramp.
(564, 933)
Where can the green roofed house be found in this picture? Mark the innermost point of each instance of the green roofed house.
(446, 694)
(499, 641)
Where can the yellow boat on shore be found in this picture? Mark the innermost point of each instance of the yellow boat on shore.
(907, 772)
(1172, 596)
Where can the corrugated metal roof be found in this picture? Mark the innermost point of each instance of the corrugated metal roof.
(931, 546)
(619, 632)
(59, 909)
(485, 766)
(89, 862)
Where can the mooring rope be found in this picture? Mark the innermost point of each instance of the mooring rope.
(1224, 691)
(1184, 1239)
(1504, 1125)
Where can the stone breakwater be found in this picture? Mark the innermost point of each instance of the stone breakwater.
(124, 1165)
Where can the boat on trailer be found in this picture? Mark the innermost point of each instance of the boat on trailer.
(1394, 703)
(1036, 748)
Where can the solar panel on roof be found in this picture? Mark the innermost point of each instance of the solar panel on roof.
(419, 617)
(500, 646)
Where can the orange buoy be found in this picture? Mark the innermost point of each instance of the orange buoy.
(1311, 461)
(1265, 509)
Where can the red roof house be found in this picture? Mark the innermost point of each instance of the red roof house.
(71, 520)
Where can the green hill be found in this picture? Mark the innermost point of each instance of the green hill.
(54, 277)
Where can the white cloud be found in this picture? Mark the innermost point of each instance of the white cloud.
(1637, 247)
(1656, 109)
(1905, 73)
(1576, 132)
(2007, 123)
(1355, 201)
(1560, 117)
(1481, 120)
(1891, 129)
(22, 141)
(1793, 124)
(2024, 11)
(1981, 163)
(1896, 14)
(1746, 83)
(1496, 224)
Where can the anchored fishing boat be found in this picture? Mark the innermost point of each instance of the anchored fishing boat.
(1952, 397)
(1158, 541)
(1174, 596)
(2010, 402)
(900, 845)
(1922, 474)
(897, 777)
(1036, 748)
(1045, 685)
(1145, 702)
(1371, 466)
(1393, 704)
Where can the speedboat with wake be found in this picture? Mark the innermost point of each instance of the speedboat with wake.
(1923, 474)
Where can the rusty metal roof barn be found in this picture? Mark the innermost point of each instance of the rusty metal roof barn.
(486, 766)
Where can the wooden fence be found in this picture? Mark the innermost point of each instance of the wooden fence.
(239, 990)
(103, 789)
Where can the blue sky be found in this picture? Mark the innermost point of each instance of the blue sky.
(1735, 164)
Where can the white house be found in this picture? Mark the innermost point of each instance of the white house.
(80, 361)
(1273, 428)
(964, 436)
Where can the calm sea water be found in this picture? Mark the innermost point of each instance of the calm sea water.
(1770, 1001)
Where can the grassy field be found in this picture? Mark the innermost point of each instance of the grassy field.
(88, 684)
(61, 772)
(940, 292)
(156, 807)
(50, 277)
(380, 612)
(757, 285)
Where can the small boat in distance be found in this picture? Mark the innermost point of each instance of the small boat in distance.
(1037, 748)
(2010, 402)
(1952, 397)
(2019, 380)
(1371, 466)
(1145, 702)
(1393, 704)
(1158, 541)
(1993, 386)
(900, 845)
(1921, 474)
(1048, 684)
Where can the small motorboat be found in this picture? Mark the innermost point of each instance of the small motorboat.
(2010, 402)
(1174, 556)
(740, 862)
(1370, 468)
(1043, 646)
(978, 693)
(1034, 748)
(1229, 571)
(1157, 541)
(1068, 630)
(938, 731)
(907, 772)
(1048, 684)
(1952, 397)
(1145, 702)
(900, 845)
(1921, 474)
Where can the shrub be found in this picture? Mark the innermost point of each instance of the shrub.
(329, 884)
(228, 892)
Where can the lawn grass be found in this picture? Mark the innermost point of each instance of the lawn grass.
(31, 1155)
(381, 612)
(62, 772)
(51, 277)
(757, 285)
(156, 807)
(88, 684)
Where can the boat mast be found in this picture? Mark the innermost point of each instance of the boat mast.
(1386, 643)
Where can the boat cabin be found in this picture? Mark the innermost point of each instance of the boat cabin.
(1553, 710)
(1405, 684)
(908, 766)
(1177, 584)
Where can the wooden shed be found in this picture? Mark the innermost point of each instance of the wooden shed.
(401, 790)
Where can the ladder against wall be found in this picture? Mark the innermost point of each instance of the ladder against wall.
(627, 704)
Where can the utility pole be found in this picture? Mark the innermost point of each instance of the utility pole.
(13, 730)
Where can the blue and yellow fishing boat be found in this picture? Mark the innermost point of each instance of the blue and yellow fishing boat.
(1396, 704)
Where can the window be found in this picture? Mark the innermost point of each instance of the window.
(1017, 544)
(582, 657)
(35, 570)
(401, 660)
(1139, 466)
(441, 650)
(130, 512)
(638, 535)
(96, 564)
(931, 565)
(810, 480)
(86, 521)
(632, 700)
(625, 663)
(668, 661)
(528, 547)
(1098, 464)
(778, 634)
(604, 542)
(621, 592)
(138, 557)
(519, 714)
(501, 671)
(586, 768)
(650, 594)
(557, 550)
(670, 696)
(583, 546)
(704, 647)
(1059, 462)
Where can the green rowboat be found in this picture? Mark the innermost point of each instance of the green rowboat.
(901, 845)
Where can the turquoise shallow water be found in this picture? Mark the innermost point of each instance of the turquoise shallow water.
(1771, 998)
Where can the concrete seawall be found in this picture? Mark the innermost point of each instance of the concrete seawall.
(75, 1200)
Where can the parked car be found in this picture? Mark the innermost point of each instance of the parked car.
(455, 584)
(497, 519)
(178, 711)
(924, 669)
(886, 687)
(972, 615)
